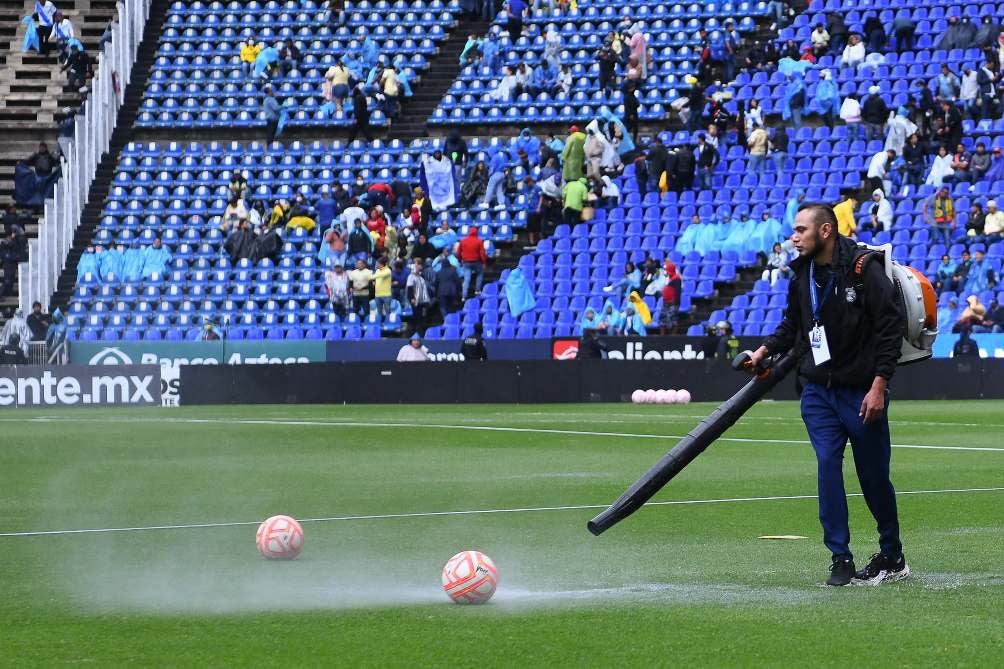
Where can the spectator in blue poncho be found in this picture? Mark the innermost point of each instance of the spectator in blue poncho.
(631, 281)
(370, 52)
(706, 238)
(610, 319)
(525, 149)
(943, 276)
(326, 209)
(490, 53)
(617, 131)
(794, 101)
(826, 101)
(633, 325)
(789, 66)
(765, 233)
(30, 35)
(110, 264)
(496, 180)
(685, 242)
(132, 263)
(264, 62)
(56, 333)
(790, 210)
(981, 275)
(88, 264)
(354, 65)
(723, 229)
(590, 320)
(155, 259)
(740, 237)
(543, 80)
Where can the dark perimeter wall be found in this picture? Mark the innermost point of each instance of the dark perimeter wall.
(536, 381)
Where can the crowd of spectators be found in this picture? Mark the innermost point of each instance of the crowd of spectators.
(348, 85)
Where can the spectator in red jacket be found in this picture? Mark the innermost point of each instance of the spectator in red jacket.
(380, 194)
(378, 224)
(472, 260)
(671, 293)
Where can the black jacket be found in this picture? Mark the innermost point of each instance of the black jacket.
(864, 332)
(684, 163)
(708, 157)
(12, 355)
(657, 159)
(473, 348)
(874, 110)
(447, 281)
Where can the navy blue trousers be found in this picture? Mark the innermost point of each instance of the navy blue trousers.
(831, 417)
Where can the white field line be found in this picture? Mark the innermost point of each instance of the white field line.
(443, 426)
(471, 512)
(676, 417)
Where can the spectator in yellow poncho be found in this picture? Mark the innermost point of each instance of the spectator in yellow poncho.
(300, 215)
(845, 216)
(249, 52)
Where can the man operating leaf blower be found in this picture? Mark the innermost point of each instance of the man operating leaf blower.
(853, 314)
(844, 319)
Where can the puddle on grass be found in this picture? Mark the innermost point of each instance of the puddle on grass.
(656, 593)
(951, 581)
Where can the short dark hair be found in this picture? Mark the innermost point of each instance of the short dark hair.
(36, 304)
(821, 213)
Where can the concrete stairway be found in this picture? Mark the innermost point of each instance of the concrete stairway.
(436, 81)
(122, 134)
(33, 91)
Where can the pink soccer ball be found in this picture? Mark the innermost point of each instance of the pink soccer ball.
(470, 577)
(672, 397)
(638, 396)
(280, 538)
(651, 397)
(683, 396)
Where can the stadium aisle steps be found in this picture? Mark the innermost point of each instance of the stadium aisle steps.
(436, 81)
(33, 92)
(106, 168)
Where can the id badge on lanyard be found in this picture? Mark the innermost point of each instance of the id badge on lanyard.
(817, 343)
(817, 335)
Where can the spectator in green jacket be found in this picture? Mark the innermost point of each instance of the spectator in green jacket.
(574, 193)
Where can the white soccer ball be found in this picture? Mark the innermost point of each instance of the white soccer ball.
(470, 577)
(651, 397)
(280, 538)
(638, 396)
(660, 397)
(672, 397)
(683, 396)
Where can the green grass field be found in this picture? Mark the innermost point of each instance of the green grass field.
(683, 585)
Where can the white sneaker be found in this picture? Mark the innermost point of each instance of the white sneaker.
(881, 569)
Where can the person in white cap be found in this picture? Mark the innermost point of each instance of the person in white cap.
(875, 113)
(879, 212)
(993, 223)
